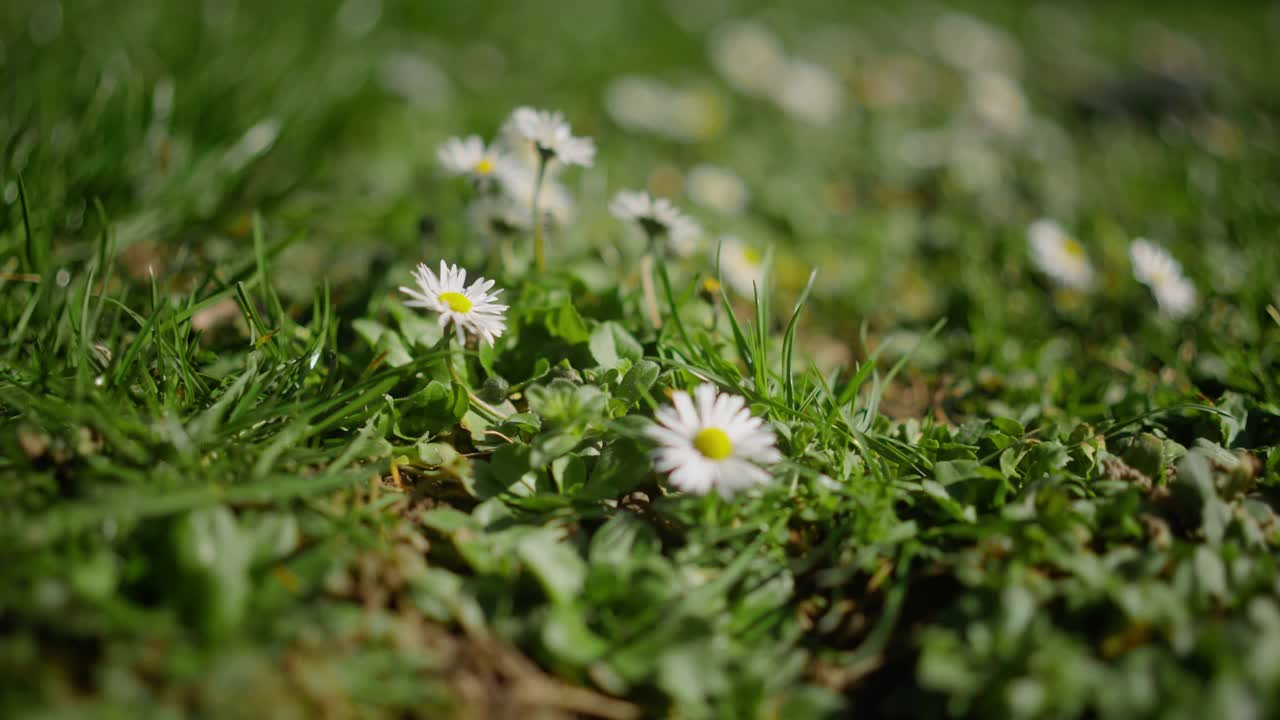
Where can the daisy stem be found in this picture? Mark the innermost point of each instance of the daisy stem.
(539, 243)
(508, 257)
(646, 283)
(489, 412)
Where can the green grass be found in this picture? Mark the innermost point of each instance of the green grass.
(239, 479)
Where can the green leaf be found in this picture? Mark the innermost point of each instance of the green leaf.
(567, 324)
(1210, 573)
(637, 382)
(557, 566)
(568, 638)
(396, 354)
(611, 345)
(623, 539)
(1008, 426)
(369, 330)
(548, 447)
(449, 520)
(509, 470)
(622, 467)
(570, 474)
(692, 673)
(416, 329)
(436, 407)
(563, 404)
(214, 557)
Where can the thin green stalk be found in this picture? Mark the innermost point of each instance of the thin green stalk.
(491, 413)
(539, 242)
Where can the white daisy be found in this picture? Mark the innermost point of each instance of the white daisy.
(741, 265)
(1059, 255)
(656, 216)
(711, 441)
(470, 157)
(549, 133)
(472, 310)
(1154, 267)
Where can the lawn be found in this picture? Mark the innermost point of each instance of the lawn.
(849, 361)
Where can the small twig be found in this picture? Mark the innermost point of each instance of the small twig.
(21, 277)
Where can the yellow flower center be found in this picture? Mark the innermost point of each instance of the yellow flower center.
(752, 255)
(484, 167)
(713, 443)
(711, 286)
(1073, 248)
(457, 302)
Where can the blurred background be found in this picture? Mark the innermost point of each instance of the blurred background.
(903, 152)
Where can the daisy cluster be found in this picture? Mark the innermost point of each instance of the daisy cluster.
(506, 171)
(706, 441)
(752, 60)
(1065, 262)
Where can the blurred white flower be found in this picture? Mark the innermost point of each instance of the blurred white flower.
(1059, 255)
(968, 43)
(810, 92)
(255, 142)
(998, 100)
(470, 157)
(1154, 267)
(637, 102)
(415, 79)
(749, 56)
(472, 310)
(697, 113)
(548, 132)
(717, 188)
(741, 266)
(926, 148)
(640, 103)
(711, 441)
(895, 80)
(656, 217)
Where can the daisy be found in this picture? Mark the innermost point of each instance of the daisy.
(1154, 267)
(749, 56)
(470, 157)
(810, 92)
(472, 310)
(741, 265)
(656, 217)
(717, 188)
(711, 441)
(1059, 255)
(549, 133)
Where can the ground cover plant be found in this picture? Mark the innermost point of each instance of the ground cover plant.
(810, 360)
